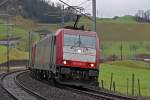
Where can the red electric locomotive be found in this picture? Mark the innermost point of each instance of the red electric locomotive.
(68, 55)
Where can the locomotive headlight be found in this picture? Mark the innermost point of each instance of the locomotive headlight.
(92, 65)
(79, 51)
(65, 62)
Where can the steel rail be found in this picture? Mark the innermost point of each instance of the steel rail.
(1, 83)
(95, 95)
(114, 95)
(20, 85)
(27, 89)
(99, 93)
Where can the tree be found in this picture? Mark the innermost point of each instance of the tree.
(143, 16)
(43, 11)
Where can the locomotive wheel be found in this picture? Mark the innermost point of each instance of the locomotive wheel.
(51, 77)
(36, 74)
(33, 73)
(39, 75)
(46, 75)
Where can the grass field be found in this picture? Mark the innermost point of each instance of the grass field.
(123, 70)
(115, 31)
(129, 49)
(14, 55)
(2, 49)
(121, 30)
(13, 32)
(20, 28)
(133, 36)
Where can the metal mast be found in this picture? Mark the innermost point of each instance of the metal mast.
(8, 65)
(94, 14)
(29, 62)
(62, 16)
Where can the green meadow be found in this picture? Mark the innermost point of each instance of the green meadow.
(123, 70)
(129, 49)
(14, 54)
(20, 28)
(2, 49)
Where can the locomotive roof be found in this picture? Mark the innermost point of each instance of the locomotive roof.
(78, 32)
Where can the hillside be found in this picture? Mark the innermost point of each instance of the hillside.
(118, 30)
(37, 10)
(2, 49)
(20, 29)
(124, 28)
(15, 32)
(110, 30)
(14, 54)
(126, 18)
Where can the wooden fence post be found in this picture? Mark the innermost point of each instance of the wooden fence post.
(114, 86)
(111, 79)
(132, 84)
(127, 86)
(139, 87)
(102, 83)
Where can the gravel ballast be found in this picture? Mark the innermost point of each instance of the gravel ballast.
(51, 92)
(11, 86)
(3, 94)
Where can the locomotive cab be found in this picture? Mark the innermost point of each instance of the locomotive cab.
(80, 55)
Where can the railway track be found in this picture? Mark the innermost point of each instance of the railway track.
(3, 94)
(2, 75)
(16, 89)
(98, 94)
(110, 94)
(95, 93)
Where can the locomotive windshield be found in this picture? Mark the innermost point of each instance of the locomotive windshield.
(79, 41)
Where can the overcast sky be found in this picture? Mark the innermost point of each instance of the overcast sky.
(110, 8)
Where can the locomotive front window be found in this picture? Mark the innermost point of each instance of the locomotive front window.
(79, 41)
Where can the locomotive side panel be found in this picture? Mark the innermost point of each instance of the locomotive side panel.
(52, 61)
(41, 49)
(59, 50)
(45, 55)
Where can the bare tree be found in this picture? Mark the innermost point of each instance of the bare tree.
(143, 16)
